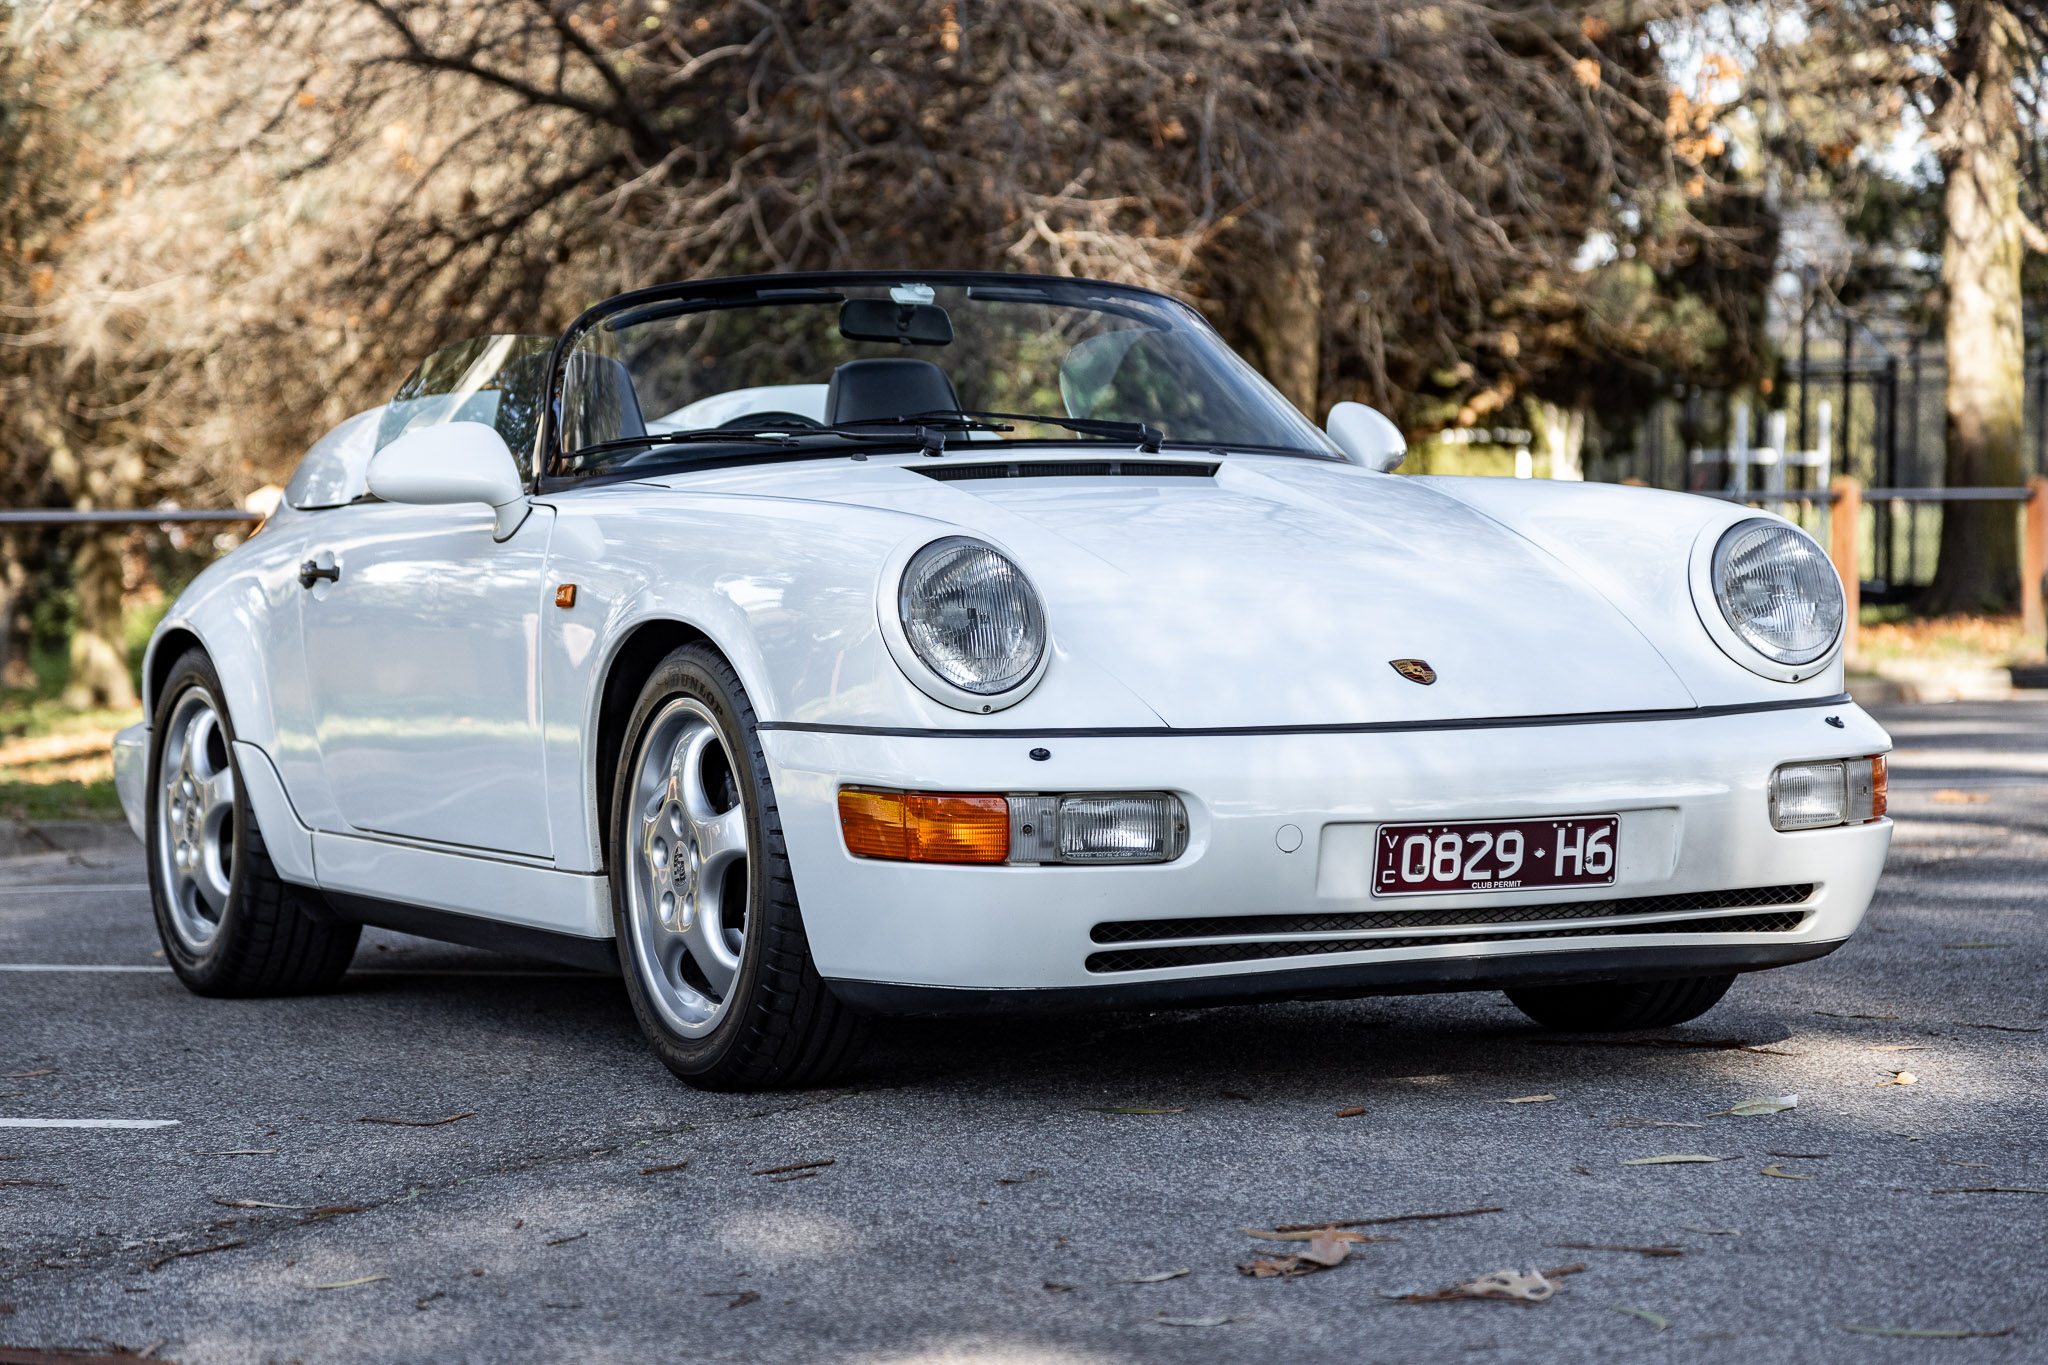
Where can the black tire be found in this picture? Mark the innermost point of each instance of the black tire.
(1610, 1007)
(781, 1025)
(267, 940)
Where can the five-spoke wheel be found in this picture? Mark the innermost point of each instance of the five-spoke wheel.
(195, 813)
(687, 884)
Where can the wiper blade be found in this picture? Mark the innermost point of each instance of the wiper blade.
(1148, 437)
(677, 438)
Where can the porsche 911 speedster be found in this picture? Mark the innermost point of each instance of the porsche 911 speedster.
(809, 647)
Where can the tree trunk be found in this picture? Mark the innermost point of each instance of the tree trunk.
(1284, 317)
(1978, 568)
(99, 640)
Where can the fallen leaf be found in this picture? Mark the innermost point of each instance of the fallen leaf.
(1024, 1179)
(24, 1075)
(1992, 1189)
(1293, 1234)
(743, 1298)
(1899, 1047)
(1653, 1123)
(1528, 1099)
(1782, 1173)
(1713, 1232)
(1949, 796)
(1059, 1288)
(1800, 1156)
(1530, 1286)
(335, 1211)
(1330, 1248)
(350, 1284)
(1353, 1112)
(796, 1166)
(1396, 1218)
(1762, 1104)
(422, 1123)
(1832, 1015)
(256, 1204)
(1656, 1320)
(1217, 1321)
(1676, 1159)
(1131, 1109)
(564, 1241)
(2004, 1028)
(1976, 945)
(1611, 1246)
(1274, 1267)
(245, 1151)
(657, 1170)
(800, 1175)
(1901, 1078)
(1160, 1278)
(1942, 1332)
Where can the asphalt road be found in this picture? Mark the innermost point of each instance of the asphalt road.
(979, 1208)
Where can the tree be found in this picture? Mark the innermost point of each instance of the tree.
(1967, 72)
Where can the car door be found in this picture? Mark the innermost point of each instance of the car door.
(420, 634)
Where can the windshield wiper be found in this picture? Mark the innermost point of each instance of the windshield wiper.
(1148, 437)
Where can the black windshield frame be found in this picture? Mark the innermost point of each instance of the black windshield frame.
(745, 290)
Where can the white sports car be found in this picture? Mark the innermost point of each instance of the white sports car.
(810, 646)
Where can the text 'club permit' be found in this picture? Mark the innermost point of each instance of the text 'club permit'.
(1495, 855)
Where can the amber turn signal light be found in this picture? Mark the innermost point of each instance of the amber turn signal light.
(925, 827)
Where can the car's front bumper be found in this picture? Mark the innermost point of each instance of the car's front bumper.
(1690, 793)
(131, 773)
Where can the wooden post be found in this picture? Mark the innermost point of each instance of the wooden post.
(2034, 561)
(1845, 519)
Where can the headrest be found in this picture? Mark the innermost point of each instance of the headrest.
(866, 389)
(599, 402)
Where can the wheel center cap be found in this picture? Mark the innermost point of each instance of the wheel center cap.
(682, 869)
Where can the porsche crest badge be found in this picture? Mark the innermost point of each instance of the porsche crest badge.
(1414, 670)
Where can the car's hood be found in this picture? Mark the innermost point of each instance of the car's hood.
(1281, 591)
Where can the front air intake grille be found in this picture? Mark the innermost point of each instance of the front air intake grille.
(1740, 898)
(1066, 469)
(1201, 954)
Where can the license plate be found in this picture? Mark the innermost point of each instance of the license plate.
(1495, 855)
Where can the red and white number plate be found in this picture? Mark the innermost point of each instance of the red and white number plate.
(1495, 855)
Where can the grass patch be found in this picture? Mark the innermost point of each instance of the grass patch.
(61, 799)
(1889, 635)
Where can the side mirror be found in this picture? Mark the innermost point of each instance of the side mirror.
(1367, 437)
(452, 462)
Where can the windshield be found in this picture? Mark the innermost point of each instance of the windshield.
(837, 364)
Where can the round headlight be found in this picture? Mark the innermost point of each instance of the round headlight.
(1778, 591)
(971, 616)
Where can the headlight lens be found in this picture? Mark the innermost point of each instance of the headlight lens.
(1778, 591)
(972, 616)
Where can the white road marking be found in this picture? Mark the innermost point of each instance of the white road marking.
(88, 1123)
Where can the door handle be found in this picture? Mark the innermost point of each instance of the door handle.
(311, 573)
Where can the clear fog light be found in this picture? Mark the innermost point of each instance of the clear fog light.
(1817, 795)
(1121, 829)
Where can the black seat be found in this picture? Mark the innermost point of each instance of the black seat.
(866, 389)
(599, 402)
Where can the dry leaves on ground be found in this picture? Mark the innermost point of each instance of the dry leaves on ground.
(1322, 1251)
(1901, 1078)
(1613, 1246)
(1656, 1320)
(1159, 1278)
(1528, 1099)
(422, 1123)
(1353, 1112)
(1675, 1159)
(1131, 1109)
(1514, 1286)
(1761, 1104)
(1781, 1173)
(1944, 1333)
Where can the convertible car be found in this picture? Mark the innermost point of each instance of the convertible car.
(809, 647)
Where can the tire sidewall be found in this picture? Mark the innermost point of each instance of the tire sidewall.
(693, 672)
(205, 969)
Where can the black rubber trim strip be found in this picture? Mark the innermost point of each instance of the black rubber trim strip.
(1414, 977)
(1368, 727)
(474, 931)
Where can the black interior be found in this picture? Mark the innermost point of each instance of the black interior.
(863, 390)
